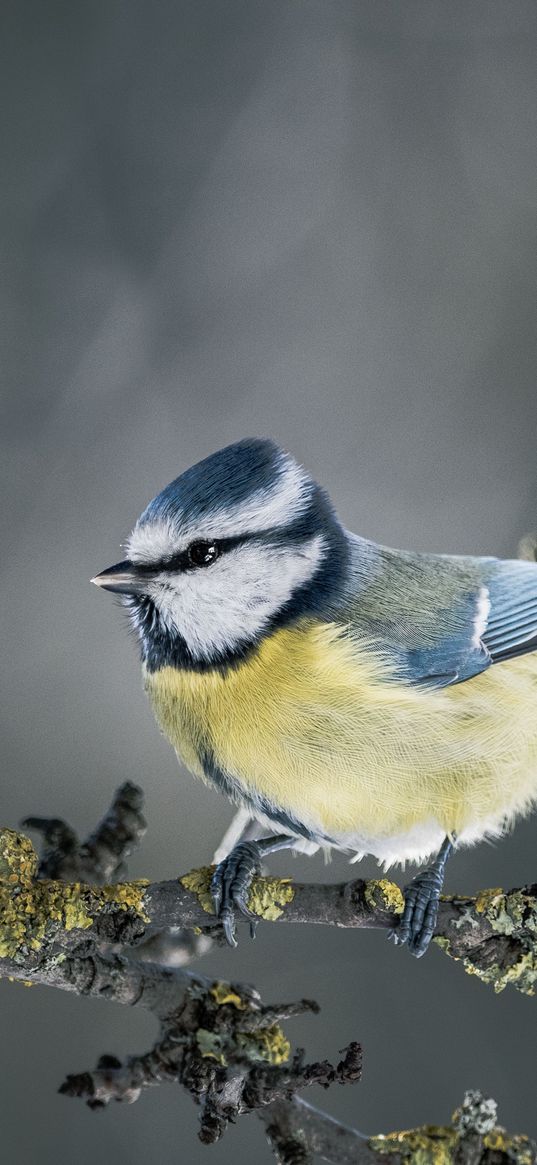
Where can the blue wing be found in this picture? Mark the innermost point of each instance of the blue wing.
(445, 619)
(512, 623)
(501, 623)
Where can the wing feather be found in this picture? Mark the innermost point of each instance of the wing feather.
(440, 618)
(512, 624)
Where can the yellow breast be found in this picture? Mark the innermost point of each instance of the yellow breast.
(313, 723)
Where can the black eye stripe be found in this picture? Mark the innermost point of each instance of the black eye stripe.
(296, 533)
(183, 560)
(198, 555)
(193, 558)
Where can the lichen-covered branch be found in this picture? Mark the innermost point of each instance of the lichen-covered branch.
(216, 1039)
(225, 1048)
(230, 1053)
(494, 934)
(299, 1134)
(63, 924)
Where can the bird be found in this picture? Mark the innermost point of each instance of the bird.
(344, 694)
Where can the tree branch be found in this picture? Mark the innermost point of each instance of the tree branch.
(126, 942)
(493, 933)
(298, 1133)
(101, 857)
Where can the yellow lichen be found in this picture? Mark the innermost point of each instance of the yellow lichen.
(199, 881)
(71, 909)
(384, 895)
(521, 974)
(428, 1145)
(485, 899)
(517, 1148)
(267, 1043)
(512, 914)
(18, 859)
(224, 993)
(269, 896)
(128, 895)
(431, 1145)
(508, 912)
(30, 909)
(267, 899)
(25, 913)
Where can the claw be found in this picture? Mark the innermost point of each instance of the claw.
(216, 894)
(418, 920)
(230, 884)
(419, 916)
(228, 922)
(240, 903)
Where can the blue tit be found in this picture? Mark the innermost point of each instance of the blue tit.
(347, 695)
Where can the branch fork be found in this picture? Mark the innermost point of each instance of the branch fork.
(65, 922)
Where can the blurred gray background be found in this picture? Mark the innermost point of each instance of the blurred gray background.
(312, 220)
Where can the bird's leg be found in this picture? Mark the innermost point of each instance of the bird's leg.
(232, 878)
(422, 895)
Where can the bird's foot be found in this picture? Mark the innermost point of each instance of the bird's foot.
(422, 895)
(418, 919)
(230, 886)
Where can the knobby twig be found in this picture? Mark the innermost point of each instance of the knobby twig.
(494, 933)
(298, 1133)
(127, 942)
(102, 856)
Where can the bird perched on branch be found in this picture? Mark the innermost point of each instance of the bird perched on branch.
(350, 696)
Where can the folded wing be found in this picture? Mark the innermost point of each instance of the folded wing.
(444, 619)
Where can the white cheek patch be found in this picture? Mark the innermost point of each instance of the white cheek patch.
(279, 505)
(220, 607)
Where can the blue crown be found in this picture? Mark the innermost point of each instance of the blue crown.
(225, 478)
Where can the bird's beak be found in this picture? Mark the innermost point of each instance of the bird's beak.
(122, 578)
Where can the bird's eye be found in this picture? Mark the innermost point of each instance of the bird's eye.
(202, 553)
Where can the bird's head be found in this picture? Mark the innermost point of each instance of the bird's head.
(241, 543)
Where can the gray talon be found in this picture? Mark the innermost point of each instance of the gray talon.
(230, 884)
(228, 922)
(422, 895)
